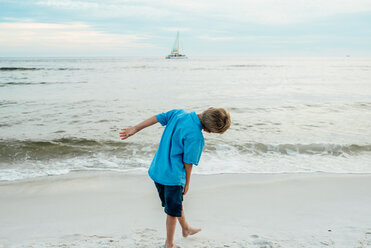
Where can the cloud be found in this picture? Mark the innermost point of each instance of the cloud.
(291, 11)
(98, 26)
(216, 38)
(16, 19)
(175, 29)
(276, 12)
(113, 9)
(69, 37)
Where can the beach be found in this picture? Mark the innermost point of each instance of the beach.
(266, 105)
(292, 171)
(106, 209)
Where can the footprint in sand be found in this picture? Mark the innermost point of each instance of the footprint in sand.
(146, 238)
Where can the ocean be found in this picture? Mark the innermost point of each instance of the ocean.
(289, 114)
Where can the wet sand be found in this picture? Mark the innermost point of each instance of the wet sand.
(101, 209)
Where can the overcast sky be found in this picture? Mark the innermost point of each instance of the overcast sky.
(207, 27)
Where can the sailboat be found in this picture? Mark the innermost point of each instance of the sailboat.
(175, 52)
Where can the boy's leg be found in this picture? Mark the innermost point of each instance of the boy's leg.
(170, 231)
(172, 201)
(186, 228)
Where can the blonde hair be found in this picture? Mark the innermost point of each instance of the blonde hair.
(216, 120)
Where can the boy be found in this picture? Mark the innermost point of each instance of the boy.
(180, 148)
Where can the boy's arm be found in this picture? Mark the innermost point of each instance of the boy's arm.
(127, 132)
(188, 170)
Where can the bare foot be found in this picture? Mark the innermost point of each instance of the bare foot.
(190, 231)
(167, 245)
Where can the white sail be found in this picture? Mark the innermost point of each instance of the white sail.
(176, 45)
(175, 52)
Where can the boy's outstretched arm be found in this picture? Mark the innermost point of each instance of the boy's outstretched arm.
(188, 170)
(127, 132)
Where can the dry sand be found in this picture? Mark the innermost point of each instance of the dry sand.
(245, 210)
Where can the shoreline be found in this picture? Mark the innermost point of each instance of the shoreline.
(113, 209)
(143, 172)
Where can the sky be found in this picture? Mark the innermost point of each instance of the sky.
(207, 27)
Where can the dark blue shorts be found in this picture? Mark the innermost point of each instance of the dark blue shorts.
(171, 199)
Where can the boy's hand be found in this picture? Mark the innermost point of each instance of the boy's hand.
(188, 170)
(127, 132)
(186, 187)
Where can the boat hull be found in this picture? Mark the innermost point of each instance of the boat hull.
(176, 56)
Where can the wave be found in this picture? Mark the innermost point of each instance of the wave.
(5, 103)
(297, 149)
(21, 159)
(294, 107)
(247, 66)
(253, 66)
(36, 83)
(21, 150)
(35, 69)
(18, 68)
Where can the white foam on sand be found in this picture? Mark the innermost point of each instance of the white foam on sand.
(101, 209)
(152, 238)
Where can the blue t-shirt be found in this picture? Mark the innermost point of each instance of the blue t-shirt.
(181, 141)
